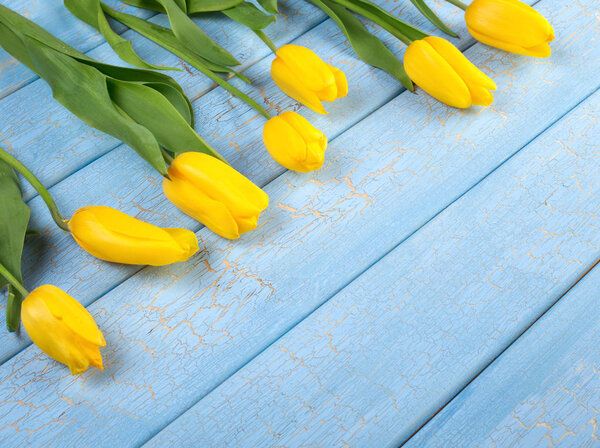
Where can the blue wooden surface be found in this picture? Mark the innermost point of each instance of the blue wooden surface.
(373, 290)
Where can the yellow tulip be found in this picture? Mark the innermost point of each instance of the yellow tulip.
(439, 68)
(510, 25)
(215, 194)
(112, 235)
(295, 143)
(305, 77)
(62, 328)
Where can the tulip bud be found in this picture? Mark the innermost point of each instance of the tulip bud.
(510, 25)
(305, 77)
(62, 328)
(215, 194)
(439, 68)
(112, 235)
(295, 143)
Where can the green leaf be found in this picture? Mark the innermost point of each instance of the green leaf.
(166, 39)
(193, 6)
(14, 216)
(402, 30)
(193, 37)
(368, 47)
(269, 5)
(249, 15)
(91, 12)
(432, 17)
(91, 101)
(153, 111)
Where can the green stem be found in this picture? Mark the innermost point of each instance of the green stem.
(458, 3)
(266, 40)
(13, 281)
(14, 163)
(235, 91)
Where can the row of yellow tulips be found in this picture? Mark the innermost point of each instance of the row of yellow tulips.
(216, 195)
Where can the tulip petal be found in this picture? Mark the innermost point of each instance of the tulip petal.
(284, 143)
(221, 183)
(291, 86)
(433, 74)
(307, 67)
(193, 202)
(186, 240)
(509, 25)
(340, 81)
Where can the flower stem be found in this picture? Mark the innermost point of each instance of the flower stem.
(14, 163)
(458, 3)
(235, 91)
(13, 281)
(266, 40)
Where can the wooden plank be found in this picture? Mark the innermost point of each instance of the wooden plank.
(54, 17)
(543, 391)
(51, 140)
(371, 365)
(237, 131)
(175, 333)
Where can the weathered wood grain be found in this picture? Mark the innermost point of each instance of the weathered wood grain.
(371, 365)
(543, 391)
(234, 127)
(47, 137)
(51, 15)
(170, 343)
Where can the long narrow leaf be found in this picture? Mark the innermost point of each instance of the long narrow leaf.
(14, 216)
(91, 13)
(166, 39)
(193, 37)
(384, 19)
(432, 17)
(367, 47)
(193, 6)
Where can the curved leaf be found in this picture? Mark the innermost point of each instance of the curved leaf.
(91, 101)
(384, 19)
(91, 12)
(367, 47)
(153, 111)
(14, 216)
(432, 17)
(249, 15)
(193, 37)
(269, 5)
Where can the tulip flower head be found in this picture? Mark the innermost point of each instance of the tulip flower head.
(112, 235)
(510, 25)
(305, 77)
(215, 194)
(295, 143)
(62, 328)
(439, 68)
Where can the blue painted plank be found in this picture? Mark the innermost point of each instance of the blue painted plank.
(236, 129)
(175, 333)
(55, 143)
(543, 391)
(370, 366)
(54, 17)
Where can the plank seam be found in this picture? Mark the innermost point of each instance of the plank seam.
(493, 360)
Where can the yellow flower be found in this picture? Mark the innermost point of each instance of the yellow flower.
(295, 143)
(305, 77)
(64, 330)
(215, 194)
(439, 68)
(112, 235)
(510, 25)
